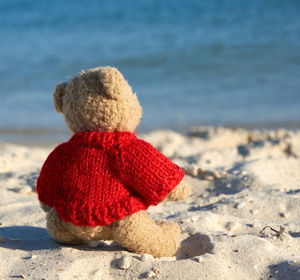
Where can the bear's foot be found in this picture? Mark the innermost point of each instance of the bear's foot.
(140, 234)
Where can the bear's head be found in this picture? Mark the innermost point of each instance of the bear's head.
(99, 99)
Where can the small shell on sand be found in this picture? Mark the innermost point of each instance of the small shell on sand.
(241, 205)
(194, 218)
(124, 262)
(253, 211)
(198, 259)
(150, 274)
(146, 258)
(209, 178)
(230, 226)
(192, 170)
(30, 257)
(25, 190)
(153, 272)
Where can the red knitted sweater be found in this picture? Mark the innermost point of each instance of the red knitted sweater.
(97, 178)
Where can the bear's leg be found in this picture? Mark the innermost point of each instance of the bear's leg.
(140, 234)
(67, 233)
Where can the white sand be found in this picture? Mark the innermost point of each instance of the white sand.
(242, 182)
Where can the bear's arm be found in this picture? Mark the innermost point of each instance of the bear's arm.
(181, 191)
(49, 178)
(147, 171)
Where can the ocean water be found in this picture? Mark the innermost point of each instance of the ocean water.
(190, 62)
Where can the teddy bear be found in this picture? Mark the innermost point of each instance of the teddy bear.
(99, 184)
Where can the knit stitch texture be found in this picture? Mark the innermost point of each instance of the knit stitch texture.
(97, 178)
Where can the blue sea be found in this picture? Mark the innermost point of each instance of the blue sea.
(191, 62)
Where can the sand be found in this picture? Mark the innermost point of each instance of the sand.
(242, 220)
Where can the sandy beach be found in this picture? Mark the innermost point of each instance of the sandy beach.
(242, 220)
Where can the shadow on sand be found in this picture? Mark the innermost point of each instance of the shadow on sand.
(284, 271)
(26, 238)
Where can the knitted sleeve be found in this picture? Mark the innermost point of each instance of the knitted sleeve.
(147, 171)
(48, 180)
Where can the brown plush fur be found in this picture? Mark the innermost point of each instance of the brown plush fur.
(67, 233)
(98, 99)
(182, 191)
(101, 99)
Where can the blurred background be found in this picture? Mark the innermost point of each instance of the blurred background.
(233, 62)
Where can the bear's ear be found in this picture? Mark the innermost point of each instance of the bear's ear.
(58, 94)
(113, 82)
